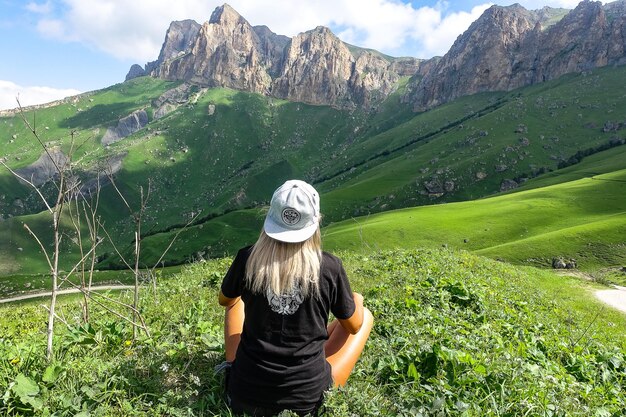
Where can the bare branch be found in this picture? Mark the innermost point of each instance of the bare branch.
(79, 263)
(174, 240)
(110, 310)
(55, 315)
(91, 294)
(43, 249)
(33, 130)
(30, 183)
(115, 246)
(109, 175)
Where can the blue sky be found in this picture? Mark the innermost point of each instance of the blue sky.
(55, 48)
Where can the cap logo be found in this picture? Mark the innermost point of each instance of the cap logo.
(290, 216)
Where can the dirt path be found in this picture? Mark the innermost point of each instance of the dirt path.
(68, 291)
(615, 298)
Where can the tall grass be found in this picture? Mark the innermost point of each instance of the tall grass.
(454, 334)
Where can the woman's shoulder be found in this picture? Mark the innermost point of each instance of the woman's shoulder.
(243, 254)
(331, 261)
(245, 249)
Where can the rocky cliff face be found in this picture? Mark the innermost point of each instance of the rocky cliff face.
(317, 68)
(226, 52)
(313, 67)
(178, 39)
(511, 47)
(506, 48)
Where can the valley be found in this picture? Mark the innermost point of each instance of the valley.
(477, 200)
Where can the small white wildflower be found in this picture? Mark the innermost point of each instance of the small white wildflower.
(165, 367)
(194, 379)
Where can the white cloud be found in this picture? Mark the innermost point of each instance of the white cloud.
(135, 29)
(29, 95)
(42, 8)
(121, 28)
(53, 28)
(448, 29)
(386, 25)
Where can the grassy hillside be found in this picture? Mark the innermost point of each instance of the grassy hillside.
(466, 149)
(454, 334)
(222, 151)
(583, 219)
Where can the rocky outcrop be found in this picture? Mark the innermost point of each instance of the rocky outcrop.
(272, 47)
(48, 166)
(510, 47)
(179, 38)
(313, 67)
(135, 71)
(125, 127)
(506, 48)
(407, 66)
(590, 36)
(508, 184)
(319, 68)
(316, 67)
(171, 100)
(226, 52)
(479, 60)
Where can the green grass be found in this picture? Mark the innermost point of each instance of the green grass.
(362, 162)
(24, 284)
(494, 136)
(455, 334)
(582, 219)
(210, 239)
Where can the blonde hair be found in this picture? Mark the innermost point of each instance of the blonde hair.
(282, 267)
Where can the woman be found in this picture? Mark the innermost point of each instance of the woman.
(278, 295)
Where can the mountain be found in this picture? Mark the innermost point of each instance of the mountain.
(313, 67)
(506, 48)
(511, 47)
(207, 148)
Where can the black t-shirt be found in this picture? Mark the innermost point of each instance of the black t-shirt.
(280, 363)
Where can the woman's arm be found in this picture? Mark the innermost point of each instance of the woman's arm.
(227, 301)
(353, 324)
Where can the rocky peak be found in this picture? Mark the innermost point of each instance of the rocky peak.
(225, 52)
(506, 48)
(510, 47)
(318, 68)
(479, 60)
(582, 40)
(226, 15)
(178, 39)
(272, 47)
(616, 9)
(548, 16)
(314, 67)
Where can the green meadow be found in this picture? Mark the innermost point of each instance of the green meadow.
(583, 219)
(455, 334)
(224, 151)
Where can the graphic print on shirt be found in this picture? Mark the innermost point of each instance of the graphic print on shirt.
(287, 303)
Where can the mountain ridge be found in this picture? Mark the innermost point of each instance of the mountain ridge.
(313, 67)
(507, 47)
(517, 50)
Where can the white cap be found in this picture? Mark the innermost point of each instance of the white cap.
(294, 212)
